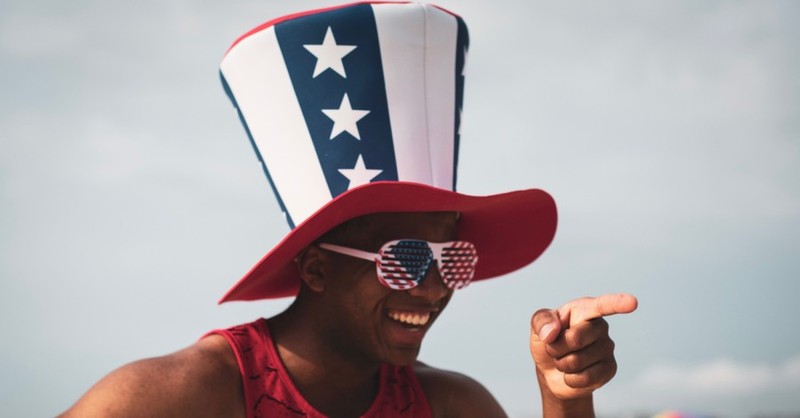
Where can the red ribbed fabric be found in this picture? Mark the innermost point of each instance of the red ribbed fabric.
(270, 392)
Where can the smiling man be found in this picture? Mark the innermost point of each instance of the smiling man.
(354, 112)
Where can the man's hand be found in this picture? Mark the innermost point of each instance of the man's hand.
(571, 348)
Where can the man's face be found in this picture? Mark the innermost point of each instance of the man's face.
(370, 320)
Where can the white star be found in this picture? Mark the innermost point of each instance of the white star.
(344, 118)
(359, 174)
(329, 55)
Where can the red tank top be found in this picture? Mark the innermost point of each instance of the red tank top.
(270, 392)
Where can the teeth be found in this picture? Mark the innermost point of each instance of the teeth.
(411, 318)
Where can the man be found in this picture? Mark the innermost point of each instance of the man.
(354, 112)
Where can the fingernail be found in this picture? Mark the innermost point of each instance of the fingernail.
(545, 331)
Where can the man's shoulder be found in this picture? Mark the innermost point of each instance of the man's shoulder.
(451, 393)
(200, 380)
(429, 375)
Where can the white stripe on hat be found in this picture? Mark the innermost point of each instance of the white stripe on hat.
(260, 83)
(440, 72)
(420, 84)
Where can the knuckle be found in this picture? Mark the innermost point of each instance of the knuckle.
(552, 351)
(594, 376)
(569, 364)
(602, 324)
(577, 380)
(575, 339)
(606, 347)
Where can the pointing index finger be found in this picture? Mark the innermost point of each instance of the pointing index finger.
(589, 308)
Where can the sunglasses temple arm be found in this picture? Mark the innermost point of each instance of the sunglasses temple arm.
(364, 255)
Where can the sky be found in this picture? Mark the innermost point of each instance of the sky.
(667, 132)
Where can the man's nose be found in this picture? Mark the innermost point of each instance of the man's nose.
(432, 287)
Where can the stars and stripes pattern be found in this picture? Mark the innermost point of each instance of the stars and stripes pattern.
(457, 263)
(403, 264)
(342, 97)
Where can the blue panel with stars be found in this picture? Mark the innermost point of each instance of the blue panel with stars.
(334, 63)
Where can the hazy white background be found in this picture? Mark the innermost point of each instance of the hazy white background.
(667, 131)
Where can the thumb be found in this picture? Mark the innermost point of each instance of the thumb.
(545, 325)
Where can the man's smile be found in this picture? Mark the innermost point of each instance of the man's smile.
(414, 318)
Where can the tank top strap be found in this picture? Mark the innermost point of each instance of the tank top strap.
(268, 390)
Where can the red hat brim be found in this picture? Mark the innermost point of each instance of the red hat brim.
(510, 230)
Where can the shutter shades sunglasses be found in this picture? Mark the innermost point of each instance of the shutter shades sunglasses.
(402, 264)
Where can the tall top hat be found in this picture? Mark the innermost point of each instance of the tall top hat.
(354, 110)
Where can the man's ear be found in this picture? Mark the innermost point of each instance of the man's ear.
(311, 264)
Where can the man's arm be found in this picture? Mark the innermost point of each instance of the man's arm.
(202, 380)
(573, 352)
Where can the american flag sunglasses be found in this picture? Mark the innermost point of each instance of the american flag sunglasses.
(402, 264)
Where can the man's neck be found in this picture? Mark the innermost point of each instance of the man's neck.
(333, 382)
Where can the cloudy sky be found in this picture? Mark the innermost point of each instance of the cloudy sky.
(667, 131)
